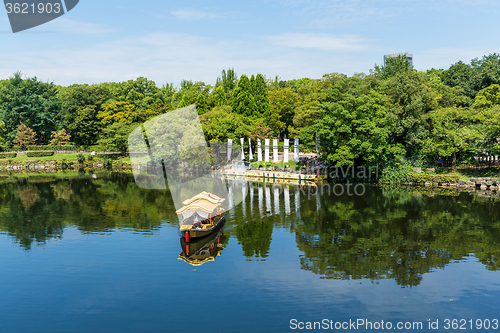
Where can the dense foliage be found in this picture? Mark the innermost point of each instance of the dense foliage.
(370, 119)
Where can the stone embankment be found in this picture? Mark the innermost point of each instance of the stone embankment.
(53, 166)
(482, 183)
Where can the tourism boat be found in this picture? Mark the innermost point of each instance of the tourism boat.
(201, 215)
(201, 250)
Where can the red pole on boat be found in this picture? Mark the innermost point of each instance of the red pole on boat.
(187, 236)
(187, 249)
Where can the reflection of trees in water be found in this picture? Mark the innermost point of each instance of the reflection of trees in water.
(61, 191)
(29, 195)
(37, 211)
(396, 233)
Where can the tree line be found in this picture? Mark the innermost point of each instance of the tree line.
(393, 112)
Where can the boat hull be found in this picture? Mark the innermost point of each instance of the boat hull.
(189, 234)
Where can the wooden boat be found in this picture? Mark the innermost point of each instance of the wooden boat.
(201, 215)
(201, 250)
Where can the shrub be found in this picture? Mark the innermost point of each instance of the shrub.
(8, 155)
(80, 158)
(40, 153)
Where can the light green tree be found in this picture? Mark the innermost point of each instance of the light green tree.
(488, 97)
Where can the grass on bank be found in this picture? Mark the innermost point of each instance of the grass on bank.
(56, 157)
(59, 157)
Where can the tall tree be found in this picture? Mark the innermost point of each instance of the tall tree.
(31, 102)
(261, 95)
(201, 105)
(228, 80)
(252, 84)
(243, 100)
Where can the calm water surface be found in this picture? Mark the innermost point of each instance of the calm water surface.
(102, 255)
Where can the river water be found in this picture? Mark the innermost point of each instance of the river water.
(84, 254)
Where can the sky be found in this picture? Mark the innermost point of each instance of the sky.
(167, 41)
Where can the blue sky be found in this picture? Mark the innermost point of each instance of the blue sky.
(167, 41)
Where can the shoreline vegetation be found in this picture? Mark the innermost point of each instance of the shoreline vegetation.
(395, 118)
(487, 177)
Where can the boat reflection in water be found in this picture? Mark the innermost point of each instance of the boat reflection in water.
(199, 251)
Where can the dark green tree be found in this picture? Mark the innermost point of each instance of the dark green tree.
(80, 106)
(243, 100)
(31, 102)
(261, 95)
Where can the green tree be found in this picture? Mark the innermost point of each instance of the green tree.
(227, 80)
(201, 105)
(220, 124)
(252, 85)
(488, 97)
(353, 126)
(261, 95)
(115, 136)
(393, 65)
(452, 133)
(409, 99)
(118, 112)
(143, 94)
(80, 106)
(280, 115)
(461, 75)
(184, 102)
(243, 101)
(219, 97)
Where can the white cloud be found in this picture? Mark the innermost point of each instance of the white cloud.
(325, 42)
(170, 57)
(188, 14)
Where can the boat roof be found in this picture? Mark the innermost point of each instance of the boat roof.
(197, 205)
(206, 196)
(195, 262)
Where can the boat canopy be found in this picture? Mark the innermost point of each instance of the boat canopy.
(204, 205)
(204, 196)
